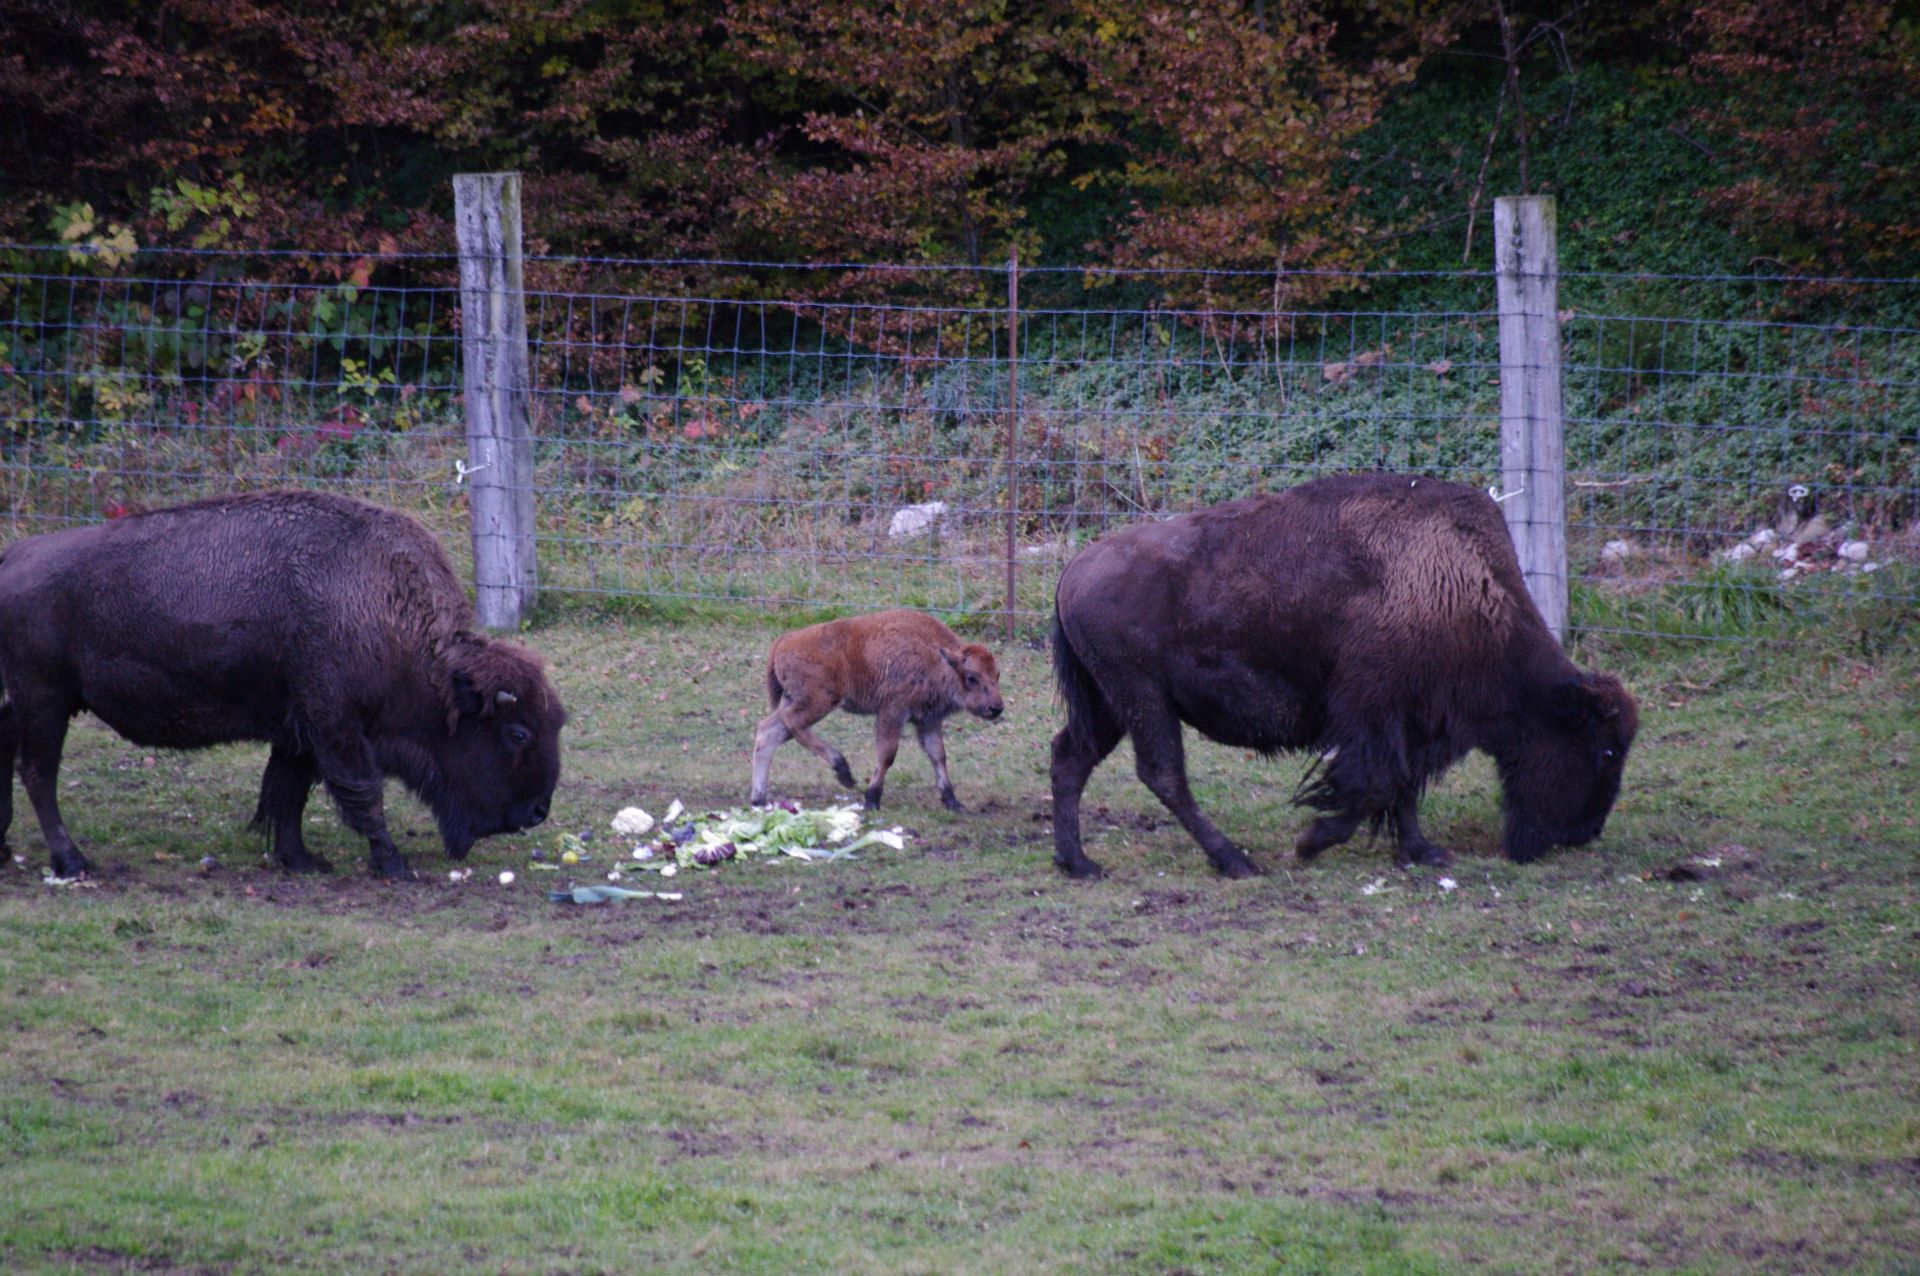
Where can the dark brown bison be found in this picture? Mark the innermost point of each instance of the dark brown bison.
(332, 629)
(1379, 619)
(899, 666)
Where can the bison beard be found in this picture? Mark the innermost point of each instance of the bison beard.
(332, 629)
(1381, 620)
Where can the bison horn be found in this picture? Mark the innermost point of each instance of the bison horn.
(506, 697)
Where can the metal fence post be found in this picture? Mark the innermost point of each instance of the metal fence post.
(1533, 466)
(1013, 430)
(496, 379)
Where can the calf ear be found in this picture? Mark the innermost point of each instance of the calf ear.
(955, 658)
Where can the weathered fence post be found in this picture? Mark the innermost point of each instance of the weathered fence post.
(1013, 430)
(1533, 466)
(493, 354)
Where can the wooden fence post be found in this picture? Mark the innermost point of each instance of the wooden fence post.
(495, 376)
(1533, 466)
(1013, 431)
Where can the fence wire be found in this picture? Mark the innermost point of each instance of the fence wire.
(731, 432)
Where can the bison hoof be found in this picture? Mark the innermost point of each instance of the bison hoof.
(872, 799)
(395, 870)
(756, 799)
(305, 862)
(952, 803)
(844, 773)
(1426, 854)
(1238, 866)
(1084, 870)
(72, 864)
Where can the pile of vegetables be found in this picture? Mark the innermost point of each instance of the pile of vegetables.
(679, 840)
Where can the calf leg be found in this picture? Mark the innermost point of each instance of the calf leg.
(933, 742)
(40, 734)
(284, 789)
(793, 720)
(768, 736)
(1160, 760)
(886, 746)
(1077, 750)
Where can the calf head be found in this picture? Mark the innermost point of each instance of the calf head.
(1561, 784)
(500, 759)
(979, 677)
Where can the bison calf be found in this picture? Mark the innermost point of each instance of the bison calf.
(1380, 619)
(899, 666)
(333, 630)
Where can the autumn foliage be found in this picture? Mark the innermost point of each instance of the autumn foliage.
(1220, 134)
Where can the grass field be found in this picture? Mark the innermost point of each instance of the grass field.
(1688, 1047)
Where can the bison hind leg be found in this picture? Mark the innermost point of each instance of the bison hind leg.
(284, 789)
(7, 751)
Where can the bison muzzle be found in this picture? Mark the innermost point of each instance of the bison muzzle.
(1380, 620)
(332, 629)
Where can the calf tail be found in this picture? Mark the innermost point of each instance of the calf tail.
(775, 692)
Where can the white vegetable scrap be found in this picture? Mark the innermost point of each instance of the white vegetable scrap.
(632, 822)
(1448, 884)
(506, 877)
(1375, 887)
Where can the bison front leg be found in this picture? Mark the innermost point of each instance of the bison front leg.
(284, 790)
(39, 736)
(886, 746)
(358, 787)
(933, 742)
(1413, 846)
(1161, 762)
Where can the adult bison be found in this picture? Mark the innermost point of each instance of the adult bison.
(1379, 619)
(332, 629)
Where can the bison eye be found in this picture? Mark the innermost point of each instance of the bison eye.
(1606, 755)
(518, 736)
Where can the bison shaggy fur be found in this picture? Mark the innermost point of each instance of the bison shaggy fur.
(1380, 620)
(331, 629)
(899, 666)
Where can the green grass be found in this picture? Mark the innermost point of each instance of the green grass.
(950, 1060)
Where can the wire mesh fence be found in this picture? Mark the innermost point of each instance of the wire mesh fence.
(847, 438)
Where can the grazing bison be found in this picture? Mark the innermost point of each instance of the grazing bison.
(332, 629)
(1379, 619)
(899, 666)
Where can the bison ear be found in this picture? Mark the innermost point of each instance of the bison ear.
(467, 700)
(953, 658)
(1571, 705)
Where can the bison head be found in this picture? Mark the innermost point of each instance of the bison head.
(979, 676)
(1561, 782)
(497, 766)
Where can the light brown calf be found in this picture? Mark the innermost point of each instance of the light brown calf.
(899, 666)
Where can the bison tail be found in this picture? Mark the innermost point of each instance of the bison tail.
(1078, 690)
(775, 692)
